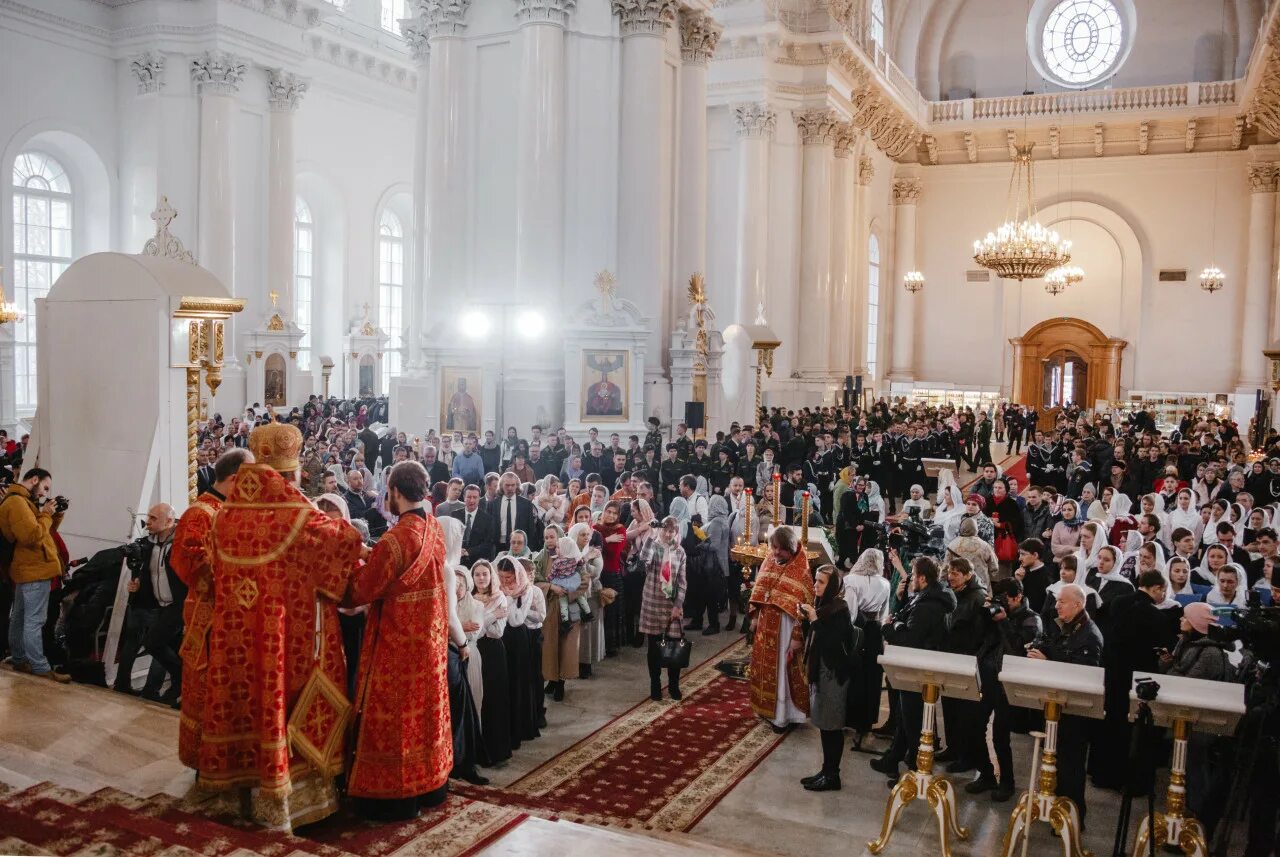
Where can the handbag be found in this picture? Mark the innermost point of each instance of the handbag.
(674, 652)
(1006, 547)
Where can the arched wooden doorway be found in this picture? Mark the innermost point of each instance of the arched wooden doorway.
(1065, 359)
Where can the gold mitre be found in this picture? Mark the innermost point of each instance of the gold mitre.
(276, 445)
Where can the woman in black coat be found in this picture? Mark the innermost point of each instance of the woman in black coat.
(830, 647)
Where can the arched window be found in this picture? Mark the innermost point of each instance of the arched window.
(303, 270)
(392, 12)
(391, 291)
(873, 305)
(41, 252)
(877, 22)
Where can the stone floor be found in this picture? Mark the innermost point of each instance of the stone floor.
(87, 738)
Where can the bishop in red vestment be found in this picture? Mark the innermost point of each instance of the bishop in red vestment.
(190, 559)
(404, 743)
(779, 682)
(279, 568)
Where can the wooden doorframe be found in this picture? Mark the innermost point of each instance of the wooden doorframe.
(1100, 353)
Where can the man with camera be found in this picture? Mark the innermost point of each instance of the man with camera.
(967, 628)
(1016, 627)
(28, 521)
(154, 618)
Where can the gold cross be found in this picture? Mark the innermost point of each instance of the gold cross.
(606, 284)
(274, 295)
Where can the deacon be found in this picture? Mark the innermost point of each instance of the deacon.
(279, 568)
(404, 743)
(779, 683)
(190, 560)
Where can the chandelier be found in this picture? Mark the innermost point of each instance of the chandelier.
(9, 311)
(1055, 282)
(1212, 279)
(1021, 248)
(913, 281)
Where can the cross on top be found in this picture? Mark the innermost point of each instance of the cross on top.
(606, 284)
(163, 215)
(275, 297)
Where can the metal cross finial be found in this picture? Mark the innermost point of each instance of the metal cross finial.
(606, 284)
(164, 214)
(697, 290)
(275, 297)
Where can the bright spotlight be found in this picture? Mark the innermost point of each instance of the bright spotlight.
(475, 324)
(531, 324)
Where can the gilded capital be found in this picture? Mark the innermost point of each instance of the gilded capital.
(699, 35)
(217, 73)
(545, 11)
(284, 90)
(645, 17)
(755, 119)
(148, 68)
(443, 17)
(845, 139)
(906, 191)
(817, 127)
(1263, 176)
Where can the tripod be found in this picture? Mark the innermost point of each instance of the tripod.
(1139, 760)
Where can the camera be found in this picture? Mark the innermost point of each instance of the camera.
(61, 504)
(1258, 628)
(999, 604)
(1146, 689)
(655, 524)
(132, 551)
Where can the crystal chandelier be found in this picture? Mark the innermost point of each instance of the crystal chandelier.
(9, 311)
(1055, 282)
(1212, 279)
(1021, 248)
(913, 281)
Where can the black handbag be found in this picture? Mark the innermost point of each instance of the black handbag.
(674, 652)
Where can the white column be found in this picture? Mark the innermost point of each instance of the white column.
(415, 36)
(817, 133)
(906, 193)
(642, 221)
(445, 214)
(284, 92)
(540, 150)
(857, 315)
(699, 35)
(842, 214)
(1254, 369)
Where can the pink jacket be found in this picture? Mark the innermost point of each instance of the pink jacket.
(1064, 540)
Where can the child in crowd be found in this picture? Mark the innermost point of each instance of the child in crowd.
(566, 572)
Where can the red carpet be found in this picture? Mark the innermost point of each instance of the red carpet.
(47, 819)
(659, 766)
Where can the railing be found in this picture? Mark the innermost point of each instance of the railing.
(1048, 105)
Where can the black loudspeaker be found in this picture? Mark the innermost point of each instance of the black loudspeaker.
(857, 385)
(695, 413)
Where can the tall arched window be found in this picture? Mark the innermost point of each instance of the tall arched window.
(392, 12)
(303, 269)
(391, 291)
(877, 22)
(41, 252)
(873, 305)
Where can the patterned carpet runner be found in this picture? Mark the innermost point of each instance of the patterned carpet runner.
(659, 766)
(47, 819)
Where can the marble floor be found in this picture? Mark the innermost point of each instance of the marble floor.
(87, 738)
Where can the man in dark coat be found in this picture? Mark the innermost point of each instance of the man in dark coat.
(968, 627)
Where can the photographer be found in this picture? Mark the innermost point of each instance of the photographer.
(1016, 626)
(967, 631)
(28, 522)
(1072, 639)
(154, 618)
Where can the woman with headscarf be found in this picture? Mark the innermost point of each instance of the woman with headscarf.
(638, 532)
(854, 530)
(1105, 577)
(979, 553)
(663, 602)
(1185, 515)
(549, 504)
(950, 509)
(975, 509)
(866, 591)
(830, 646)
(591, 637)
(1007, 521)
(1092, 538)
(560, 644)
(1214, 559)
(715, 568)
(842, 484)
(526, 610)
(1065, 538)
(471, 615)
(875, 500)
(466, 688)
(495, 706)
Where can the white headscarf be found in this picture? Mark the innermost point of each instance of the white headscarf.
(874, 501)
(1085, 563)
(1120, 507)
(1114, 575)
(339, 503)
(1189, 518)
(1202, 572)
(1186, 590)
(452, 541)
(1241, 600)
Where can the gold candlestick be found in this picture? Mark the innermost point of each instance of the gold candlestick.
(751, 513)
(804, 522)
(777, 497)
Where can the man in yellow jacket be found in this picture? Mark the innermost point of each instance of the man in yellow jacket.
(28, 521)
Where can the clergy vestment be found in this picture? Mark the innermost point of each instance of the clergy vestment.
(780, 687)
(190, 560)
(279, 568)
(404, 745)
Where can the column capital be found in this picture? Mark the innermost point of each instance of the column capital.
(866, 170)
(148, 68)
(699, 35)
(845, 139)
(1263, 176)
(443, 17)
(217, 73)
(554, 12)
(645, 17)
(817, 127)
(416, 35)
(906, 190)
(284, 90)
(755, 119)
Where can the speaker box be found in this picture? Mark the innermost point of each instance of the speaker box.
(695, 414)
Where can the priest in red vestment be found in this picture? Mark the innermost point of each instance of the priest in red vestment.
(404, 743)
(190, 559)
(279, 568)
(779, 682)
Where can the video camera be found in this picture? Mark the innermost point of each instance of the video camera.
(133, 551)
(1257, 627)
